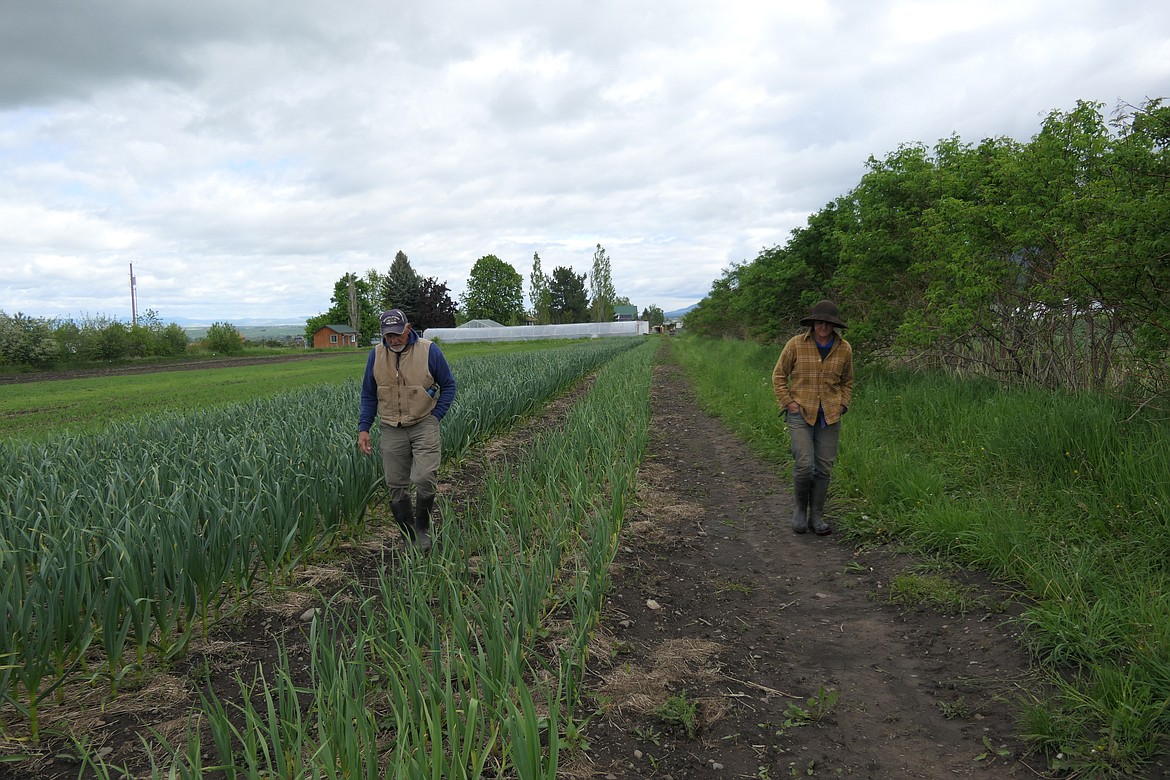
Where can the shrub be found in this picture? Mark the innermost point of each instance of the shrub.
(26, 341)
(223, 337)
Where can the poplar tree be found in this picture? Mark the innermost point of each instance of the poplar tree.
(602, 293)
(538, 292)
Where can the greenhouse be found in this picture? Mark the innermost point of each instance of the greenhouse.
(576, 330)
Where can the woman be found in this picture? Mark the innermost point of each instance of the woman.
(813, 382)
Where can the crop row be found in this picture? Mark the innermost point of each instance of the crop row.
(466, 663)
(128, 541)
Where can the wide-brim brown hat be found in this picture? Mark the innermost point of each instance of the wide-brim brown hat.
(824, 311)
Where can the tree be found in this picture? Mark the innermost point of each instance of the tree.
(26, 341)
(715, 314)
(653, 315)
(340, 313)
(173, 340)
(433, 306)
(567, 301)
(495, 291)
(223, 337)
(400, 286)
(602, 293)
(110, 342)
(149, 337)
(538, 293)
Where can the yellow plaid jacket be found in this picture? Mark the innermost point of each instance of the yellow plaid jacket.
(800, 375)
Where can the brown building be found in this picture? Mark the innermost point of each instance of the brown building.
(335, 336)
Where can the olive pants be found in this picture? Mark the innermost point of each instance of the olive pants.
(411, 456)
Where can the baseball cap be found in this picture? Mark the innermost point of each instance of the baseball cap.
(393, 322)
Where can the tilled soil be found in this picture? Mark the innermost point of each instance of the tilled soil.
(183, 365)
(730, 647)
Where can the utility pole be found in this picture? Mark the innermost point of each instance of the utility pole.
(133, 298)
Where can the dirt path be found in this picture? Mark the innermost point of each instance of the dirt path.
(752, 620)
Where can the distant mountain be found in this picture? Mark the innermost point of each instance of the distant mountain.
(203, 322)
(674, 315)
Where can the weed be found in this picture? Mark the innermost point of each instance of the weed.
(992, 752)
(648, 734)
(954, 709)
(819, 706)
(809, 769)
(933, 566)
(823, 703)
(738, 587)
(677, 711)
(931, 590)
(573, 736)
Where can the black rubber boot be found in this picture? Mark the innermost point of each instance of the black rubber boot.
(801, 488)
(402, 512)
(422, 522)
(820, 491)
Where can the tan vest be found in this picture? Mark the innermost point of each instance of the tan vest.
(403, 379)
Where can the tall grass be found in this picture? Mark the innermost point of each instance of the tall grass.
(1064, 496)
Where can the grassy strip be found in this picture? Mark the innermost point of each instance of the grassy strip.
(36, 410)
(1061, 495)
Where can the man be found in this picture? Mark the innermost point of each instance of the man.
(409, 386)
(813, 382)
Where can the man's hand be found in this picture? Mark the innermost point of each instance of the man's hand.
(364, 443)
(793, 407)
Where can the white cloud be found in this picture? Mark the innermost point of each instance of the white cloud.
(245, 155)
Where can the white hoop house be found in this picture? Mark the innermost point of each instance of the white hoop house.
(576, 330)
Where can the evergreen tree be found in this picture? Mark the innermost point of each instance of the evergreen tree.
(400, 286)
(567, 299)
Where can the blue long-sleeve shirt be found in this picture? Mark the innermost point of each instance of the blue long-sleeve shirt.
(436, 364)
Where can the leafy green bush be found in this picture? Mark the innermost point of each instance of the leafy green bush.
(223, 337)
(26, 341)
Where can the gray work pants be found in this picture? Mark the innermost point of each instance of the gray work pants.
(814, 449)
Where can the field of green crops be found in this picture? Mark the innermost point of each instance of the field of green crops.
(40, 410)
(120, 545)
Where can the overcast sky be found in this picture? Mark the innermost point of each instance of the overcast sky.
(244, 155)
